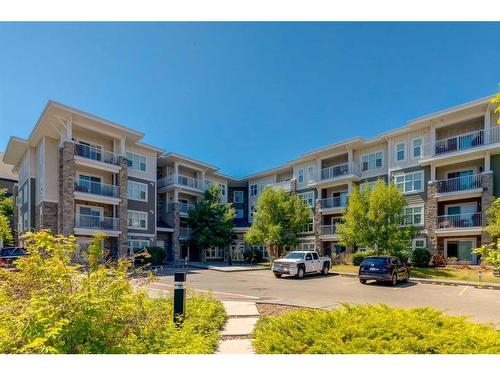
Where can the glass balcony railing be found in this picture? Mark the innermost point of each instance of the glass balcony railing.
(333, 202)
(337, 171)
(459, 221)
(97, 188)
(96, 222)
(96, 153)
(462, 183)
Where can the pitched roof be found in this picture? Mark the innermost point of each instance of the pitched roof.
(6, 170)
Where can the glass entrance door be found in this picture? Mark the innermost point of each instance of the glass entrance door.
(465, 251)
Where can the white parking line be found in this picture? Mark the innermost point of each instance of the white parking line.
(463, 290)
(209, 291)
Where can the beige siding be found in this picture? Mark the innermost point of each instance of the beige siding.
(442, 172)
(358, 154)
(150, 173)
(305, 166)
(94, 138)
(51, 166)
(407, 140)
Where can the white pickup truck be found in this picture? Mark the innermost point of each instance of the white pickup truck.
(298, 263)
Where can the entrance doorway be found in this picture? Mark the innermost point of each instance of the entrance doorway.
(461, 249)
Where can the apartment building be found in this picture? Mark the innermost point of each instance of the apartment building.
(79, 174)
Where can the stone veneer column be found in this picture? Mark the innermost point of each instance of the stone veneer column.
(293, 185)
(486, 202)
(431, 216)
(67, 173)
(318, 222)
(123, 208)
(174, 220)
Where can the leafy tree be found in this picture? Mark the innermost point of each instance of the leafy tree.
(375, 219)
(212, 221)
(277, 221)
(53, 305)
(6, 211)
(490, 253)
(496, 100)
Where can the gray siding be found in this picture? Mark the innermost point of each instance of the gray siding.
(148, 207)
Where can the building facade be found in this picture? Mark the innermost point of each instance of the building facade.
(79, 174)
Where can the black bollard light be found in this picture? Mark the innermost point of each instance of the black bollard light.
(179, 297)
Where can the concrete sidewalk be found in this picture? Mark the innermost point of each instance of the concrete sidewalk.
(224, 267)
(242, 317)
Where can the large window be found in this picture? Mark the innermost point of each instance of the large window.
(253, 190)
(306, 246)
(414, 215)
(309, 227)
(222, 190)
(400, 152)
(308, 198)
(137, 220)
(417, 144)
(300, 176)
(136, 161)
(410, 182)
(136, 245)
(137, 191)
(238, 197)
(310, 174)
(372, 161)
(239, 214)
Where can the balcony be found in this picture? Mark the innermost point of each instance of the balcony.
(340, 171)
(97, 192)
(468, 223)
(96, 157)
(88, 224)
(462, 142)
(185, 233)
(184, 181)
(333, 203)
(461, 184)
(328, 230)
(184, 208)
(285, 185)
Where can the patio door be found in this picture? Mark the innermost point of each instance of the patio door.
(465, 250)
(461, 249)
(463, 183)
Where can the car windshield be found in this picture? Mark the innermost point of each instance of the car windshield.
(294, 256)
(375, 261)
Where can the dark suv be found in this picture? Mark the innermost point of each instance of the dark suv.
(10, 254)
(383, 268)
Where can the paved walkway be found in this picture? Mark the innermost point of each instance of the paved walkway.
(242, 317)
(224, 267)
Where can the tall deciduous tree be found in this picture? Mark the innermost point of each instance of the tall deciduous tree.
(375, 218)
(212, 221)
(5, 215)
(277, 221)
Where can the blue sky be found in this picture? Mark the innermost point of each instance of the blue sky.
(244, 96)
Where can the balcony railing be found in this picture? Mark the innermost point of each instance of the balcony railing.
(96, 153)
(459, 221)
(462, 142)
(185, 232)
(193, 183)
(184, 208)
(285, 185)
(333, 202)
(328, 230)
(91, 187)
(96, 222)
(462, 183)
(340, 170)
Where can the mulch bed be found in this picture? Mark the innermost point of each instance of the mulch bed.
(269, 309)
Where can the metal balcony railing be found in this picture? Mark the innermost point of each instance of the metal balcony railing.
(96, 222)
(184, 208)
(185, 232)
(91, 187)
(462, 183)
(459, 221)
(340, 170)
(179, 179)
(333, 202)
(328, 230)
(96, 153)
(285, 185)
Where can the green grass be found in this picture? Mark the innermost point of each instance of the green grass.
(446, 273)
(373, 329)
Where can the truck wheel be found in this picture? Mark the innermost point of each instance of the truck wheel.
(326, 268)
(300, 273)
(394, 280)
(362, 281)
(277, 275)
(407, 277)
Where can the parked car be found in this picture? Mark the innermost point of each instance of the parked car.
(10, 254)
(383, 268)
(298, 263)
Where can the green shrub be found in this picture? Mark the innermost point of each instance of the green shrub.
(359, 256)
(373, 329)
(54, 306)
(157, 255)
(253, 256)
(421, 257)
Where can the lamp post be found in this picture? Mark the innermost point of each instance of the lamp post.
(179, 298)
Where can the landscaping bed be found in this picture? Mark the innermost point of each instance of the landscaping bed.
(444, 273)
(271, 309)
(372, 329)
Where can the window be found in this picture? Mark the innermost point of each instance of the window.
(239, 214)
(222, 190)
(137, 220)
(414, 215)
(252, 210)
(310, 174)
(137, 191)
(367, 185)
(417, 147)
(300, 176)
(372, 161)
(253, 190)
(238, 197)
(136, 161)
(410, 182)
(307, 198)
(315, 256)
(306, 246)
(136, 245)
(417, 243)
(309, 227)
(400, 152)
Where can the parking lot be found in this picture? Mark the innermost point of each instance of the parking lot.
(328, 292)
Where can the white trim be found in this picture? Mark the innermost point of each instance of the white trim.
(404, 174)
(396, 152)
(242, 196)
(413, 246)
(422, 214)
(413, 157)
(138, 212)
(138, 183)
(141, 155)
(458, 239)
(368, 154)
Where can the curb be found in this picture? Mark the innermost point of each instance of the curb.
(215, 268)
(435, 281)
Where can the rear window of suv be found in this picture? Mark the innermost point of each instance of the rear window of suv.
(375, 261)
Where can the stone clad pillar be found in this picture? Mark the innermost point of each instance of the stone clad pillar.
(486, 202)
(431, 216)
(67, 174)
(122, 247)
